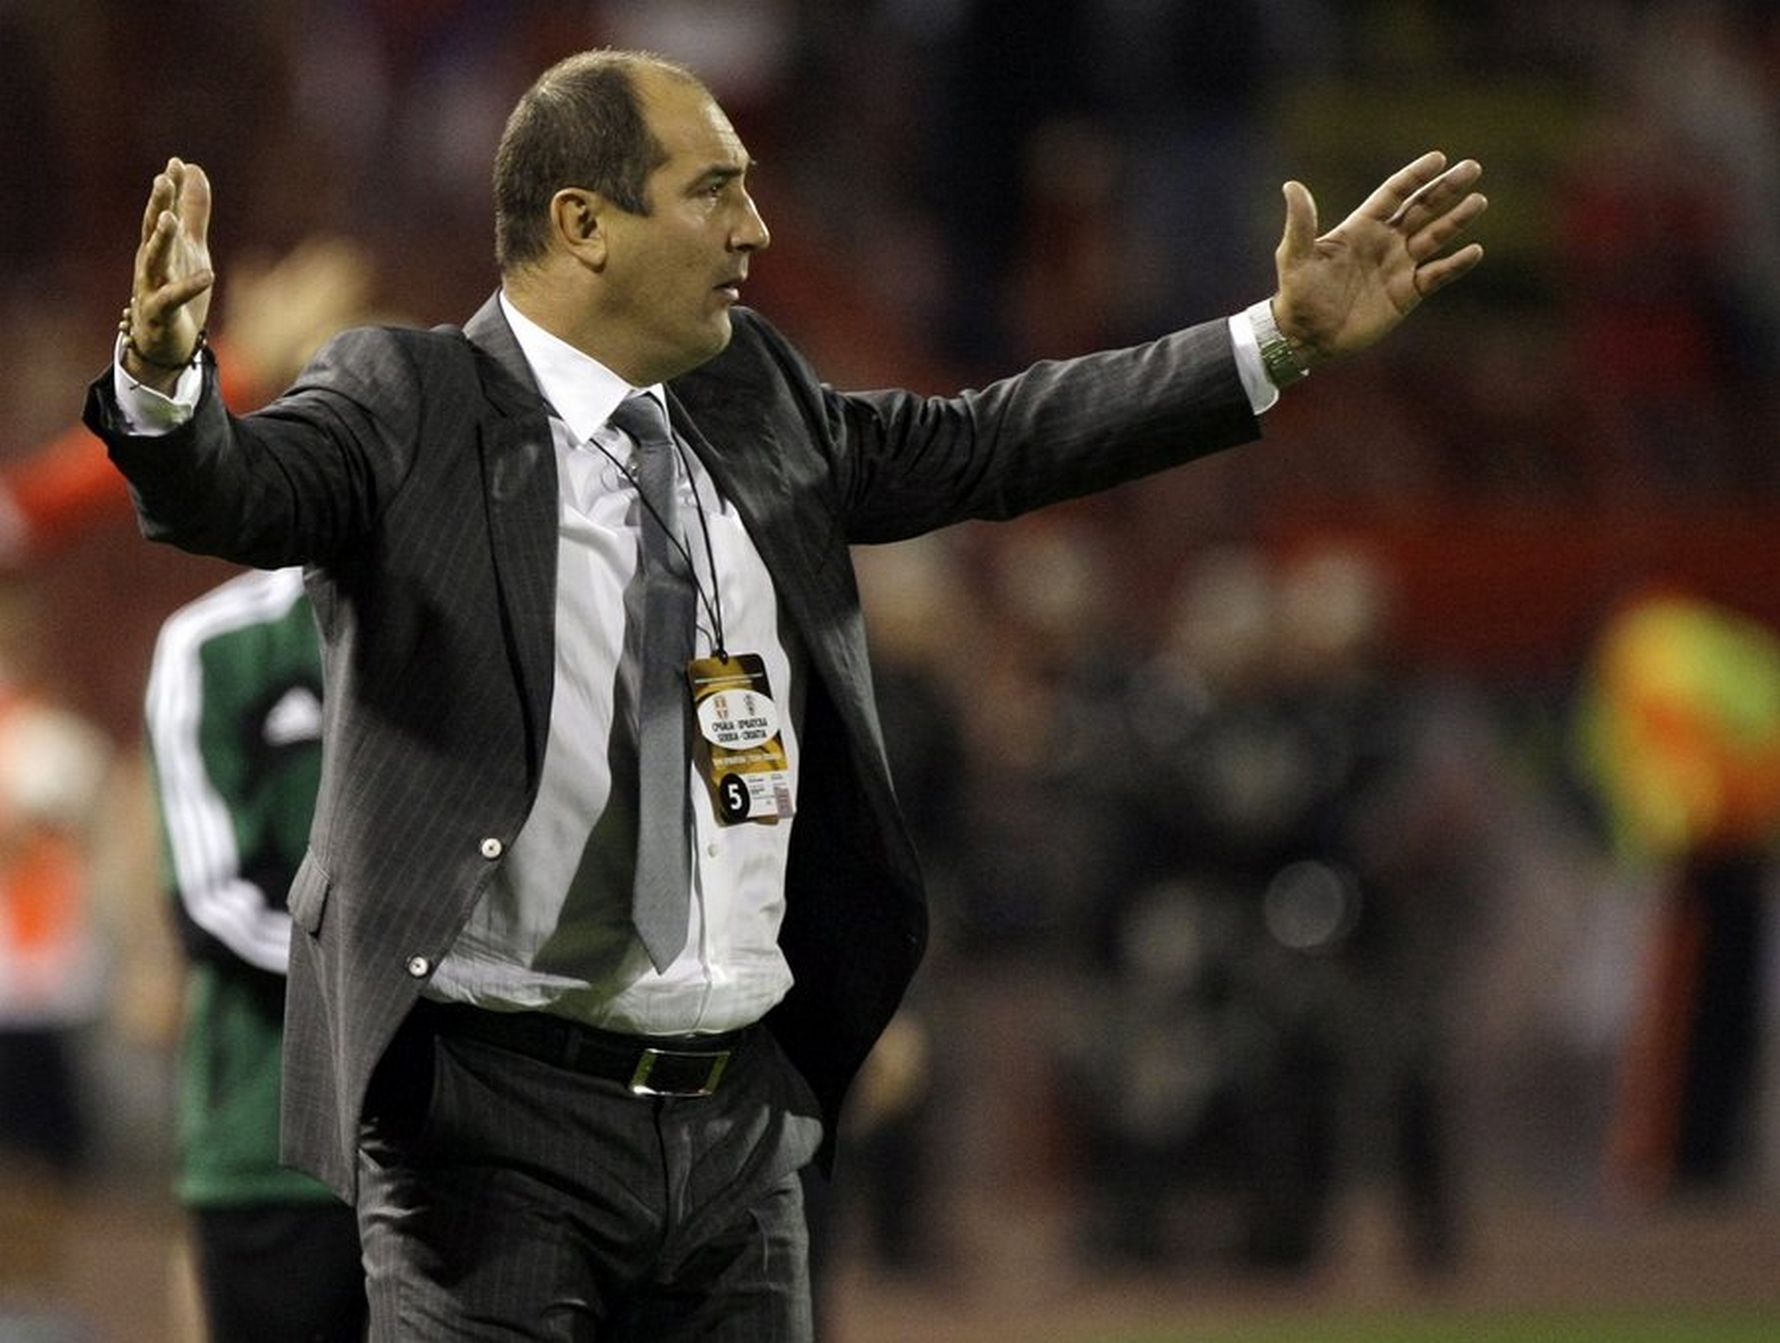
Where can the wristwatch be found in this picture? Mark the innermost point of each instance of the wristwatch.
(1278, 357)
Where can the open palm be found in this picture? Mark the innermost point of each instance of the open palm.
(173, 279)
(1342, 290)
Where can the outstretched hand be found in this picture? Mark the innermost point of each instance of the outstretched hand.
(170, 297)
(1342, 290)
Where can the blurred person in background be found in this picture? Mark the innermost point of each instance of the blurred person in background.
(279, 309)
(1390, 886)
(1678, 730)
(233, 717)
(893, 1128)
(1034, 863)
(54, 767)
(1210, 1130)
(233, 730)
(215, 670)
(882, 1200)
(483, 986)
(1283, 950)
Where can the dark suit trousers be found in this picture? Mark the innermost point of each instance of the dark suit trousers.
(505, 1198)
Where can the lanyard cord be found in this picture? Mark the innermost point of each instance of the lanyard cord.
(704, 525)
(713, 601)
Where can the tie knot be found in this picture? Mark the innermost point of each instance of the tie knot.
(644, 419)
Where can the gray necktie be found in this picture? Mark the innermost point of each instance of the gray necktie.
(663, 890)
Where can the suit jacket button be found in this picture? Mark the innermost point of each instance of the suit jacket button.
(491, 847)
(419, 966)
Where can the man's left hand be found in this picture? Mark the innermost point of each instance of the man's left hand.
(1342, 290)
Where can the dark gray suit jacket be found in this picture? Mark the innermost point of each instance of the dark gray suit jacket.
(412, 473)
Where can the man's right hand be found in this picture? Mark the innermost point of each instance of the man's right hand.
(170, 297)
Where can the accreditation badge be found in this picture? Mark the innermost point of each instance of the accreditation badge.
(741, 747)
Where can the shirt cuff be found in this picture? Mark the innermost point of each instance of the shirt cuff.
(147, 412)
(1261, 391)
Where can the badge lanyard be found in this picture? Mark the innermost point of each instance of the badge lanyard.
(740, 744)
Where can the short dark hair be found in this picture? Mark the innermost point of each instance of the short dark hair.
(580, 125)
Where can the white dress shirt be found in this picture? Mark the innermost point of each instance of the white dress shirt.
(555, 931)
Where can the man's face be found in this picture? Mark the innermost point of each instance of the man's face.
(672, 275)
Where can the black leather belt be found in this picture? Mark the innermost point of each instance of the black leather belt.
(650, 1065)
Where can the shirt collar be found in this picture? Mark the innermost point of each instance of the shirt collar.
(582, 391)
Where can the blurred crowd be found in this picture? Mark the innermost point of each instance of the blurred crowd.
(1272, 834)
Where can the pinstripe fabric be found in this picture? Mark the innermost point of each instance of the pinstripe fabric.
(682, 1221)
(414, 470)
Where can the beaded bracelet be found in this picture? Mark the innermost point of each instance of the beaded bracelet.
(125, 328)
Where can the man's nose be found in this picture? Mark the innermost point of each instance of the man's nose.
(752, 234)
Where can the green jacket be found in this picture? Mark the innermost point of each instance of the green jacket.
(234, 739)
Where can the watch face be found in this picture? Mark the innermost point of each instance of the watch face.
(1281, 361)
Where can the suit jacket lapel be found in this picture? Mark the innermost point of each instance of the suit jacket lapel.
(520, 492)
(739, 447)
(741, 444)
(739, 441)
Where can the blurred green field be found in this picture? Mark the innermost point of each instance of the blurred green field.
(1565, 1327)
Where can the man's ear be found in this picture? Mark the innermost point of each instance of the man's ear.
(575, 215)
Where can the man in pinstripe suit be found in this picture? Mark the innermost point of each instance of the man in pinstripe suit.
(547, 1133)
